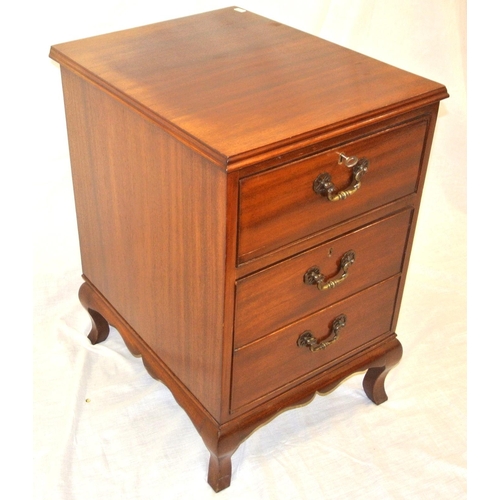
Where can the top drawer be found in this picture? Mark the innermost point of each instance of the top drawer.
(280, 206)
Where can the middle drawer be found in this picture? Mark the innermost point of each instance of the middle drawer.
(281, 294)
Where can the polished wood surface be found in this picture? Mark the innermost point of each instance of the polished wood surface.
(194, 147)
(269, 364)
(278, 295)
(280, 206)
(132, 207)
(231, 83)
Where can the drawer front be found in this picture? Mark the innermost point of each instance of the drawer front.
(276, 360)
(277, 296)
(280, 206)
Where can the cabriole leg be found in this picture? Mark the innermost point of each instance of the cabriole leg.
(100, 327)
(219, 472)
(374, 380)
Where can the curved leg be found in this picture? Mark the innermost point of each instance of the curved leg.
(219, 472)
(100, 327)
(222, 441)
(373, 382)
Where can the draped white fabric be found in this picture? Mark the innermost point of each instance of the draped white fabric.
(103, 429)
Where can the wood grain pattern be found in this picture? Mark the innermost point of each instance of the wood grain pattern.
(134, 202)
(278, 295)
(280, 206)
(222, 440)
(275, 361)
(194, 145)
(230, 83)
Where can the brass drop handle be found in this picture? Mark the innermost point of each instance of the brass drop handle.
(307, 339)
(324, 186)
(313, 275)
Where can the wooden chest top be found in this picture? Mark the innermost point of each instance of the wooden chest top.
(234, 85)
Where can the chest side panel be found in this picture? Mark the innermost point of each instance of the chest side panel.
(151, 217)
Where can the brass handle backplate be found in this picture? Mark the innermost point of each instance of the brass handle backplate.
(307, 339)
(313, 276)
(324, 186)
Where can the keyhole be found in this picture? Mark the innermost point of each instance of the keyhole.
(330, 252)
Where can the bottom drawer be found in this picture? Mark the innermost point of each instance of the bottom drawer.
(269, 364)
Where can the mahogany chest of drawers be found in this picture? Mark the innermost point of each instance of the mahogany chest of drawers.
(246, 200)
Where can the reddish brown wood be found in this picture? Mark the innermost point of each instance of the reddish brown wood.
(100, 327)
(276, 296)
(318, 238)
(219, 472)
(134, 200)
(374, 379)
(208, 428)
(273, 362)
(222, 440)
(280, 206)
(215, 67)
(194, 145)
(416, 204)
